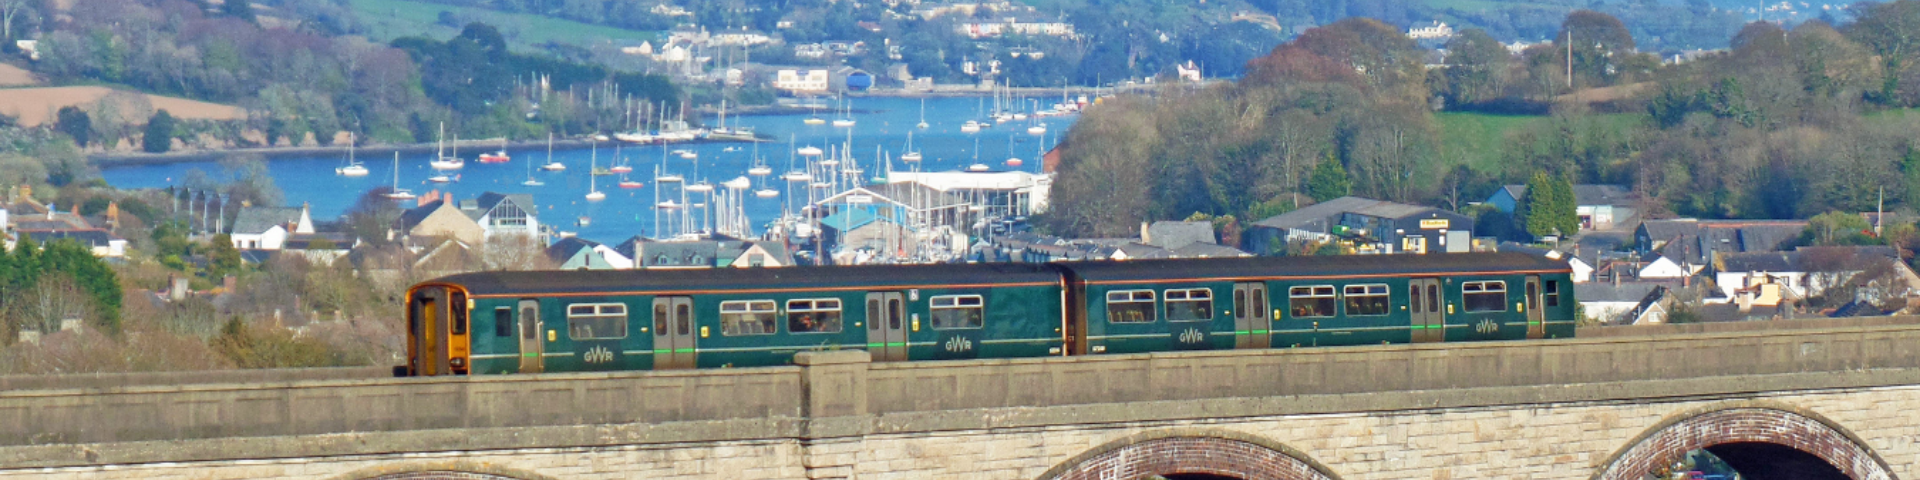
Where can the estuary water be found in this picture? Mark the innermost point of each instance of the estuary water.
(628, 212)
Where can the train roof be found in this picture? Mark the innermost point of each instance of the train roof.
(1342, 266)
(649, 281)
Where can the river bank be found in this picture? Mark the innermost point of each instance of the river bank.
(366, 153)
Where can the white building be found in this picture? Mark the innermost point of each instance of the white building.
(1435, 31)
(503, 214)
(1009, 194)
(794, 80)
(267, 228)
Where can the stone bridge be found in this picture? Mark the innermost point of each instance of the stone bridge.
(1800, 400)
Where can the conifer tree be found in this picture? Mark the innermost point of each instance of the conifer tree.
(1542, 206)
(1329, 180)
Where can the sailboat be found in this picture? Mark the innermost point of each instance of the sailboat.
(629, 184)
(1012, 161)
(977, 166)
(441, 161)
(846, 119)
(923, 114)
(619, 163)
(353, 168)
(552, 166)
(912, 155)
(497, 157)
(531, 182)
(593, 183)
(1037, 129)
(398, 193)
(815, 119)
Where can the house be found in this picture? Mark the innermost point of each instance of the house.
(1438, 30)
(1692, 243)
(1600, 207)
(758, 255)
(876, 228)
(1373, 225)
(439, 219)
(802, 81)
(267, 228)
(575, 253)
(1624, 303)
(320, 248)
(1808, 272)
(102, 243)
(503, 214)
(1582, 268)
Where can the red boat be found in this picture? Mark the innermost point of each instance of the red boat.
(620, 169)
(629, 184)
(496, 157)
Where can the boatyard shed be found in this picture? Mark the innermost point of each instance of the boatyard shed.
(1373, 226)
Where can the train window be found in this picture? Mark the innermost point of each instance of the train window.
(820, 315)
(749, 317)
(1553, 293)
(957, 311)
(1130, 306)
(528, 329)
(1484, 296)
(1311, 302)
(893, 314)
(1433, 298)
(1240, 301)
(1415, 300)
(1366, 299)
(873, 314)
(1533, 292)
(682, 319)
(660, 319)
(597, 321)
(503, 321)
(1260, 302)
(1193, 305)
(459, 317)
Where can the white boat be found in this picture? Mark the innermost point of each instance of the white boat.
(978, 167)
(810, 151)
(1014, 162)
(760, 170)
(443, 162)
(441, 178)
(668, 205)
(1036, 130)
(829, 163)
(798, 177)
(702, 187)
(766, 193)
(814, 121)
(593, 182)
(398, 193)
(843, 122)
(669, 178)
(688, 155)
(353, 168)
(911, 155)
(970, 127)
(551, 166)
(923, 114)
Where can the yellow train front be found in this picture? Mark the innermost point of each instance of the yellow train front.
(525, 322)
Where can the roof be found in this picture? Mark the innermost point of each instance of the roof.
(852, 218)
(413, 216)
(1516, 191)
(568, 247)
(490, 200)
(851, 277)
(1602, 195)
(257, 220)
(1316, 216)
(676, 254)
(1173, 235)
(1318, 266)
(304, 241)
(91, 237)
(1208, 250)
(1808, 259)
(1625, 292)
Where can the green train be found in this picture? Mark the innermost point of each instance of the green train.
(525, 322)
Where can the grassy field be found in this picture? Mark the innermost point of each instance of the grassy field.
(390, 19)
(1477, 138)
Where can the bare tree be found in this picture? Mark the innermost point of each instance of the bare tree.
(514, 252)
(52, 299)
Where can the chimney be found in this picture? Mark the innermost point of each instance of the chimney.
(1686, 280)
(1745, 297)
(230, 283)
(1615, 273)
(177, 287)
(1145, 237)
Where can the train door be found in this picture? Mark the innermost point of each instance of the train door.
(673, 340)
(1250, 326)
(426, 324)
(1536, 319)
(532, 346)
(886, 326)
(1426, 307)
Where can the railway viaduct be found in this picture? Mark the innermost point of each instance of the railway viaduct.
(1803, 399)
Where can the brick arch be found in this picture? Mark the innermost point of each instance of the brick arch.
(1191, 451)
(1747, 422)
(443, 470)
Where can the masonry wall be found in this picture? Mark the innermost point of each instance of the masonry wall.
(1370, 412)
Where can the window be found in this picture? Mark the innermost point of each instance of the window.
(756, 260)
(957, 311)
(503, 322)
(1311, 302)
(1484, 296)
(1240, 301)
(1193, 305)
(1260, 302)
(509, 215)
(529, 328)
(597, 321)
(820, 315)
(1533, 293)
(749, 317)
(873, 314)
(660, 319)
(1415, 300)
(1130, 306)
(1553, 293)
(1366, 299)
(1433, 298)
(682, 319)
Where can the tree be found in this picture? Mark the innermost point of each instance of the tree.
(222, 258)
(1566, 213)
(1329, 180)
(75, 123)
(1837, 228)
(160, 133)
(1543, 206)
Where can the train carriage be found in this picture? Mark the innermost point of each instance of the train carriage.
(522, 322)
(1146, 306)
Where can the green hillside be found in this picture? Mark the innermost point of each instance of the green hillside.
(389, 19)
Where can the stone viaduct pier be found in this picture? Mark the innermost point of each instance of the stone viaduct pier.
(1802, 400)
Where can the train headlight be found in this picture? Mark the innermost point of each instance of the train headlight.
(459, 362)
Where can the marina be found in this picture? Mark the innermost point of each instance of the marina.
(693, 188)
